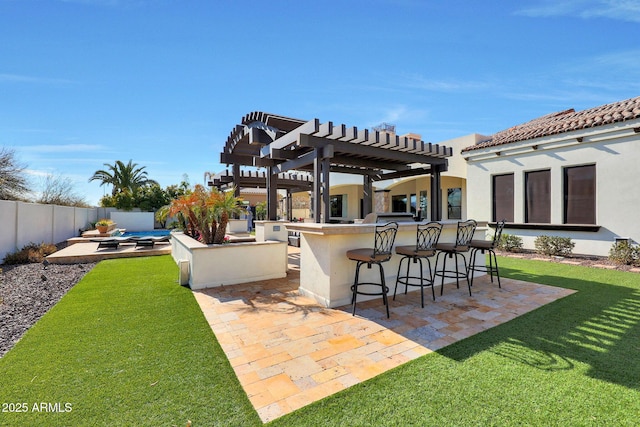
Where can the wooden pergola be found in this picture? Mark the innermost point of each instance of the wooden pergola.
(282, 144)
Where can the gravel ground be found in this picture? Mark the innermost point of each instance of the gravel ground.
(28, 291)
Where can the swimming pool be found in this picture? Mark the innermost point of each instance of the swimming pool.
(154, 233)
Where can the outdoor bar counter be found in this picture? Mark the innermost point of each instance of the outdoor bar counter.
(326, 273)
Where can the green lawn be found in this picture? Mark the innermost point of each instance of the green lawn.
(127, 346)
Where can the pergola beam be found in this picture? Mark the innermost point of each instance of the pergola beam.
(312, 126)
(369, 151)
(282, 144)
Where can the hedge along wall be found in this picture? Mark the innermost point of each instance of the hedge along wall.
(24, 223)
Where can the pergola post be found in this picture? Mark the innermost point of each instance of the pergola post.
(289, 206)
(367, 195)
(317, 186)
(436, 194)
(236, 179)
(326, 200)
(272, 195)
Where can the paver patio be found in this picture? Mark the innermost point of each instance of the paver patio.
(288, 351)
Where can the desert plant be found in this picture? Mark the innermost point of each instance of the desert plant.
(104, 222)
(625, 252)
(510, 243)
(261, 211)
(162, 215)
(205, 213)
(554, 245)
(31, 253)
(225, 206)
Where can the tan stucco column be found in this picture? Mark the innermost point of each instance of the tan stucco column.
(382, 201)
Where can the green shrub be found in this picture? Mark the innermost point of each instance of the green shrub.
(31, 253)
(625, 252)
(510, 243)
(554, 245)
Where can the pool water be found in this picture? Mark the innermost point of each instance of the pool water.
(154, 233)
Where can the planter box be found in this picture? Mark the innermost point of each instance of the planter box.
(210, 266)
(237, 226)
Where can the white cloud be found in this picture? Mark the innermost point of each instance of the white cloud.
(64, 148)
(416, 81)
(19, 78)
(624, 10)
(109, 3)
(37, 173)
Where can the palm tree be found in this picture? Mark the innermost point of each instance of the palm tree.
(206, 213)
(124, 178)
(226, 205)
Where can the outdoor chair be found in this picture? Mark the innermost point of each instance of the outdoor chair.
(483, 246)
(427, 236)
(464, 234)
(150, 241)
(385, 236)
(111, 242)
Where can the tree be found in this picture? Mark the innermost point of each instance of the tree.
(151, 198)
(123, 178)
(226, 205)
(13, 183)
(59, 190)
(204, 213)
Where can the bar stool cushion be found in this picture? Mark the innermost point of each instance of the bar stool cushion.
(366, 255)
(412, 252)
(451, 247)
(482, 244)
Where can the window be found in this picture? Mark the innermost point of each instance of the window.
(413, 203)
(399, 203)
(338, 205)
(538, 197)
(503, 197)
(454, 203)
(580, 195)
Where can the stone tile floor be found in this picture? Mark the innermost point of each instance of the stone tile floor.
(288, 351)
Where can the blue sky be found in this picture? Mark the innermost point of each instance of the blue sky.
(163, 82)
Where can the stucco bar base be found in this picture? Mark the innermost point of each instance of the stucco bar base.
(326, 273)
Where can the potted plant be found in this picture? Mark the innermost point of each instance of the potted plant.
(103, 225)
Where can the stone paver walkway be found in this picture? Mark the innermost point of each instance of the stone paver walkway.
(288, 351)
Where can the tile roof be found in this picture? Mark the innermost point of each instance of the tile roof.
(564, 121)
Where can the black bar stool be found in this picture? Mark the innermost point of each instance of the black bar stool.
(385, 235)
(464, 234)
(427, 236)
(483, 246)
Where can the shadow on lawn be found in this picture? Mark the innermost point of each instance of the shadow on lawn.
(599, 325)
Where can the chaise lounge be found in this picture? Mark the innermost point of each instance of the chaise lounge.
(111, 242)
(150, 241)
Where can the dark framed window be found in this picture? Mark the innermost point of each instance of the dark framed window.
(503, 201)
(580, 194)
(454, 203)
(412, 203)
(537, 197)
(335, 203)
(399, 203)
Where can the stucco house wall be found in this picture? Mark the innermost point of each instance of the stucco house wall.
(613, 148)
